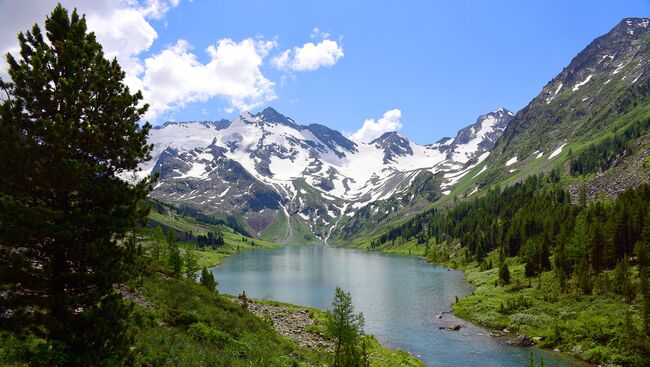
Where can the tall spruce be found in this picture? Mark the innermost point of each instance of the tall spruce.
(157, 244)
(68, 128)
(504, 273)
(174, 258)
(643, 254)
(207, 280)
(346, 328)
(191, 263)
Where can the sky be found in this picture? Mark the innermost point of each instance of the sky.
(424, 68)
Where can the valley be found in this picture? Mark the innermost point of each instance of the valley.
(224, 232)
(579, 145)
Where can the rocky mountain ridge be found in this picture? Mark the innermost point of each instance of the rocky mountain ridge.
(266, 166)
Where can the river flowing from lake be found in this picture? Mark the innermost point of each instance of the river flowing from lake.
(399, 296)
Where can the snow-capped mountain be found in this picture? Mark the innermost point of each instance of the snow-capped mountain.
(266, 166)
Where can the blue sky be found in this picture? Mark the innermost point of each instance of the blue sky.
(441, 64)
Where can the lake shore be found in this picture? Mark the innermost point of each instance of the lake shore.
(305, 325)
(534, 308)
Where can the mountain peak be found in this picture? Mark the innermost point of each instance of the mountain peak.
(271, 115)
(630, 24)
(219, 125)
(394, 145)
(503, 111)
(388, 136)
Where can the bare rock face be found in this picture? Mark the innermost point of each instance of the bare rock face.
(262, 167)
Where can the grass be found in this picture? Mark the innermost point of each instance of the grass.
(185, 300)
(598, 328)
(190, 326)
(234, 242)
(378, 355)
(278, 230)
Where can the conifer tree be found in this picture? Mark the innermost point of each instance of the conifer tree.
(68, 128)
(643, 253)
(175, 260)
(207, 280)
(504, 273)
(561, 263)
(346, 327)
(191, 265)
(622, 282)
(158, 239)
(582, 276)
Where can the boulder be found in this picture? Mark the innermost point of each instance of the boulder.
(451, 327)
(520, 340)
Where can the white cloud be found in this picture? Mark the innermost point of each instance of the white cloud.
(310, 56)
(281, 60)
(313, 56)
(316, 32)
(155, 9)
(121, 26)
(175, 77)
(371, 129)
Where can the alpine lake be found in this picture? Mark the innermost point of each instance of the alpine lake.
(400, 296)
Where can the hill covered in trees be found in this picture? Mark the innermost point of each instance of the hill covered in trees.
(596, 249)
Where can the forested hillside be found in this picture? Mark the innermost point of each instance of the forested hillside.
(599, 247)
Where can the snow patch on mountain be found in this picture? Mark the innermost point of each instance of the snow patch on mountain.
(557, 151)
(267, 161)
(577, 86)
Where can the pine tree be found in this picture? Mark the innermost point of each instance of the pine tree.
(504, 273)
(244, 299)
(560, 260)
(643, 254)
(582, 276)
(68, 127)
(583, 196)
(191, 265)
(158, 239)
(170, 236)
(346, 328)
(208, 281)
(175, 260)
(622, 281)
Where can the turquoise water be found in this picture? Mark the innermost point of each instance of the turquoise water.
(398, 295)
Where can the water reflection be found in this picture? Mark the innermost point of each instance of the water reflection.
(399, 296)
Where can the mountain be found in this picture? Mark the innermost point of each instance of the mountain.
(562, 201)
(289, 181)
(599, 94)
(464, 152)
(591, 123)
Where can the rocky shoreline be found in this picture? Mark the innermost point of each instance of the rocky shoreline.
(292, 322)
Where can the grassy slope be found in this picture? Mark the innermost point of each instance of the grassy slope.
(300, 233)
(591, 327)
(169, 292)
(190, 326)
(179, 323)
(234, 242)
(379, 356)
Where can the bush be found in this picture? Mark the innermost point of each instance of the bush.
(202, 332)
